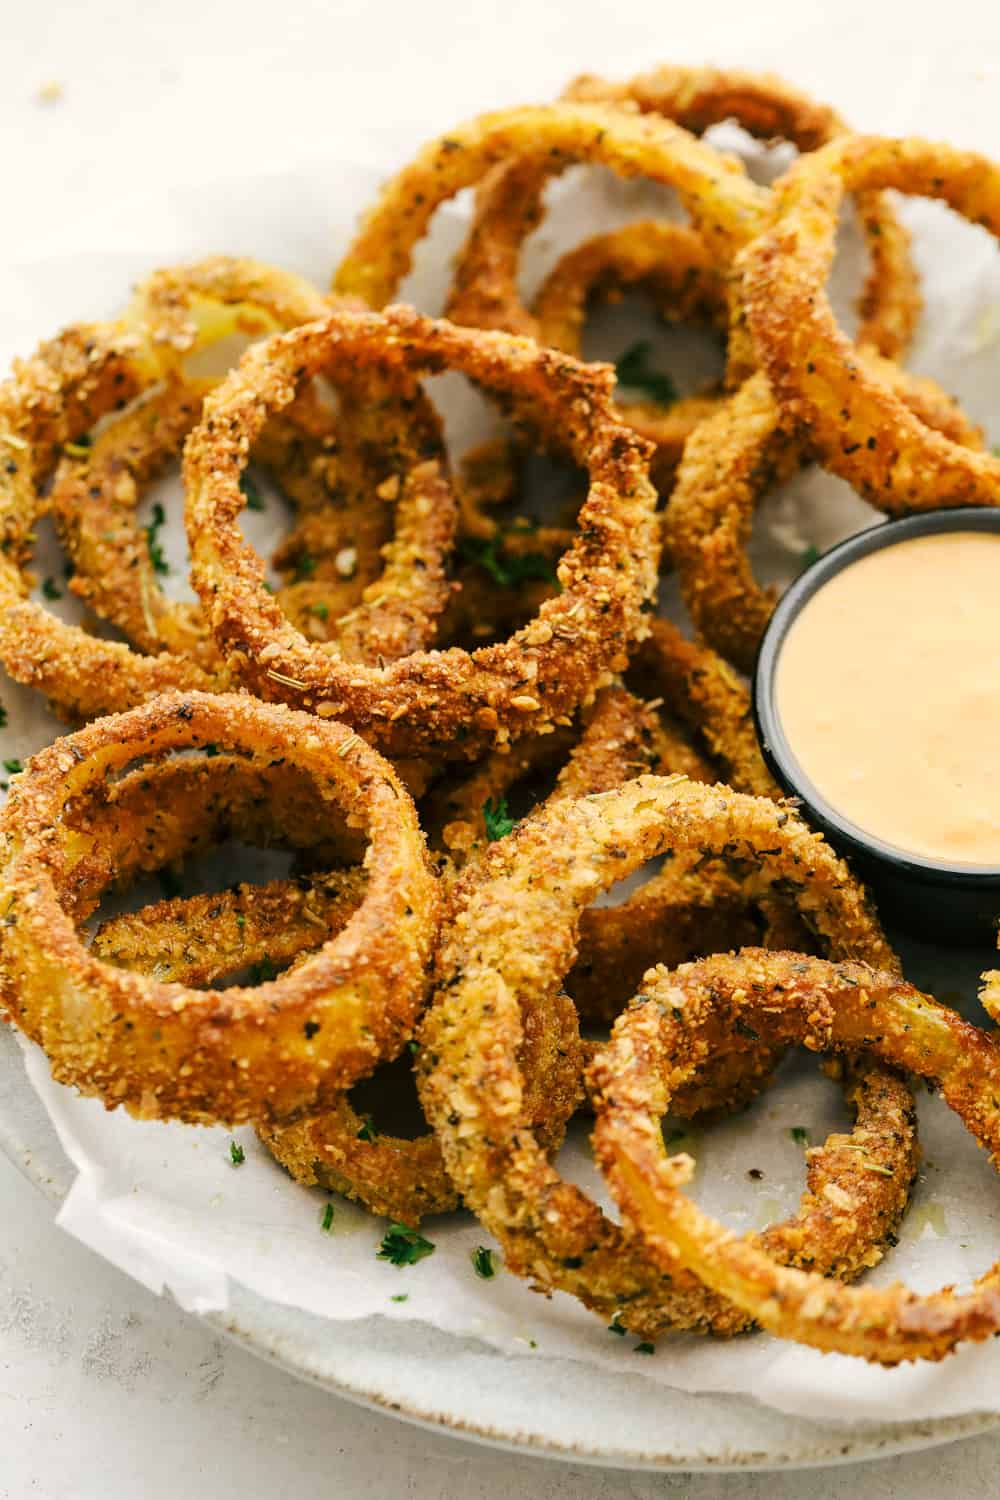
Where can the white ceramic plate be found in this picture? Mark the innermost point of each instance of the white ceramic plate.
(552, 1407)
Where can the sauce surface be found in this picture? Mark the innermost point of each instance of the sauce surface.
(887, 686)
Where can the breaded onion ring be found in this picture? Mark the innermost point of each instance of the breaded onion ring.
(726, 206)
(452, 701)
(204, 938)
(828, 1006)
(509, 204)
(52, 399)
(393, 433)
(860, 425)
(511, 935)
(166, 1051)
(672, 263)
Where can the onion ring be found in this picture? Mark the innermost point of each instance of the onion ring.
(726, 206)
(165, 1051)
(428, 701)
(671, 262)
(512, 934)
(95, 497)
(55, 398)
(829, 1007)
(857, 421)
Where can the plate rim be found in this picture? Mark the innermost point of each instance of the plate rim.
(37, 1153)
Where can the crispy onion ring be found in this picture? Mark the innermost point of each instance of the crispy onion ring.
(511, 934)
(391, 432)
(54, 398)
(840, 1007)
(670, 261)
(166, 1051)
(726, 206)
(858, 422)
(509, 205)
(202, 939)
(451, 701)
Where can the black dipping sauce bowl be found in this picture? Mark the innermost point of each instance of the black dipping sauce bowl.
(930, 899)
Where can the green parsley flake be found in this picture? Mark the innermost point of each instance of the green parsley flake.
(482, 1263)
(497, 818)
(254, 499)
(400, 1297)
(326, 1222)
(153, 544)
(13, 767)
(635, 371)
(644, 1348)
(367, 1131)
(616, 1325)
(403, 1246)
(262, 972)
(321, 611)
(506, 570)
(305, 567)
(809, 556)
(51, 589)
(799, 1135)
(237, 1155)
(413, 1047)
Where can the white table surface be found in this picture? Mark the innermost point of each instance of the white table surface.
(106, 1391)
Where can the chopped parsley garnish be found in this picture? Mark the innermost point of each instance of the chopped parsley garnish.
(616, 1326)
(367, 1131)
(799, 1135)
(51, 589)
(482, 1262)
(262, 972)
(305, 567)
(153, 544)
(321, 611)
(635, 371)
(170, 883)
(400, 1297)
(504, 570)
(497, 818)
(403, 1246)
(809, 556)
(237, 1155)
(13, 767)
(644, 1348)
(255, 500)
(326, 1222)
(413, 1047)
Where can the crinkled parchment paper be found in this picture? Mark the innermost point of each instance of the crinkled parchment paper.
(164, 1203)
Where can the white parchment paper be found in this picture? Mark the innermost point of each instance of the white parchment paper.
(164, 1203)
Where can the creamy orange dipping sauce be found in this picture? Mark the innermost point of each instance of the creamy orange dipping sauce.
(887, 686)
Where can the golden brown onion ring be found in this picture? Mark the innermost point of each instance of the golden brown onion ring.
(672, 263)
(453, 702)
(167, 1051)
(512, 933)
(52, 399)
(829, 1006)
(857, 421)
(726, 206)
